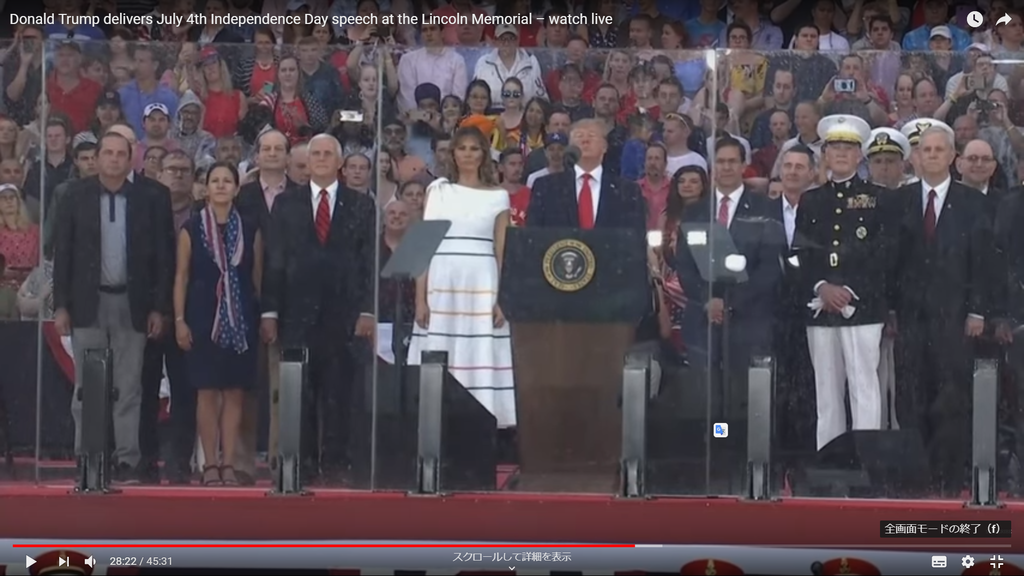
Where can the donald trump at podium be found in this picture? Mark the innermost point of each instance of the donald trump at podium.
(587, 196)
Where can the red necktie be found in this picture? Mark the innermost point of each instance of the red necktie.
(929, 217)
(723, 212)
(586, 204)
(323, 217)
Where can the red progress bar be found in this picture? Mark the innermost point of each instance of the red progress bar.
(326, 546)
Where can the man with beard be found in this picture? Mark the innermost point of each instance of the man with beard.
(198, 143)
(842, 235)
(887, 153)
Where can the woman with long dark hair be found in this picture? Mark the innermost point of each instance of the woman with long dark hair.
(457, 299)
(216, 316)
(689, 185)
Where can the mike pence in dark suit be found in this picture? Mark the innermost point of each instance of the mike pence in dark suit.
(318, 294)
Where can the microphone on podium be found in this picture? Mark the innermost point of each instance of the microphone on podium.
(572, 154)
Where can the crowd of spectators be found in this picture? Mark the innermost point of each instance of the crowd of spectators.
(666, 79)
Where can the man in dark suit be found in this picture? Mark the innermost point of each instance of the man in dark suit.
(112, 283)
(587, 196)
(255, 201)
(942, 294)
(1009, 299)
(843, 235)
(794, 377)
(318, 295)
(748, 307)
(163, 356)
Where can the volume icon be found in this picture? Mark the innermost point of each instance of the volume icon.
(90, 562)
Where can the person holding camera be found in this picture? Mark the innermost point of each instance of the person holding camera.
(852, 83)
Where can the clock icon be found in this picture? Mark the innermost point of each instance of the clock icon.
(975, 19)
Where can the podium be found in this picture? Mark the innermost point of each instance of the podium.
(574, 299)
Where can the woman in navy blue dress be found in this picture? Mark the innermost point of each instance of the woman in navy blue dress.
(216, 313)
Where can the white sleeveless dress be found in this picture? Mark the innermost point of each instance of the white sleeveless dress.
(462, 289)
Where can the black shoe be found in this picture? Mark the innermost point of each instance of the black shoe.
(125, 475)
(178, 477)
(149, 474)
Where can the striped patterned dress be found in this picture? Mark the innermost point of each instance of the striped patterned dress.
(462, 289)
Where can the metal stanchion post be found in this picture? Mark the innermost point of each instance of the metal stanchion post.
(97, 395)
(759, 428)
(433, 368)
(294, 370)
(984, 442)
(636, 382)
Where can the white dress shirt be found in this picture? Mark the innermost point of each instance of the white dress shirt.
(940, 196)
(332, 196)
(734, 199)
(595, 186)
(789, 219)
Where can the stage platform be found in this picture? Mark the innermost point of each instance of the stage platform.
(52, 511)
(351, 532)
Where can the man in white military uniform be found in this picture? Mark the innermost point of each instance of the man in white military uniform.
(842, 242)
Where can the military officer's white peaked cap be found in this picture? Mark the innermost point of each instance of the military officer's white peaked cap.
(887, 140)
(913, 128)
(844, 128)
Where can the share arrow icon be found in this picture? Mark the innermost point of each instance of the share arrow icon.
(1004, 19)
(29, 561)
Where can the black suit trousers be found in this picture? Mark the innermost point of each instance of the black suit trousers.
(182, 426)
(329, 405)
(934, 367)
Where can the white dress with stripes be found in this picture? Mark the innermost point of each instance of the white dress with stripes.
(462, 289)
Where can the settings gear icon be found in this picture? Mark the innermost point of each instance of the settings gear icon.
(968, 561)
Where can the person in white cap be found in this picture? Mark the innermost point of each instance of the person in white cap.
(843, 232)
(943, 279)
(506, 61)
(912, 130)
(936, 14)
(887, 152)
(156, 125)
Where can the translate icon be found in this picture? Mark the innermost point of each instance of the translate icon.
(996, 562)
(938, 561)
(721, 430)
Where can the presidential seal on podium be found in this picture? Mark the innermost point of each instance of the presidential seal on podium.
(569, 265)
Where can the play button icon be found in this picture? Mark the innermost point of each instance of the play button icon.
(29, 561)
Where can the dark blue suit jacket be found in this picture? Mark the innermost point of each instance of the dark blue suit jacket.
(759, 236)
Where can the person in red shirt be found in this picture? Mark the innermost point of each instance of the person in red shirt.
(68, 91)
(510, 165)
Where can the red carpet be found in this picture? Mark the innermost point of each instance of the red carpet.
(164, 513)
